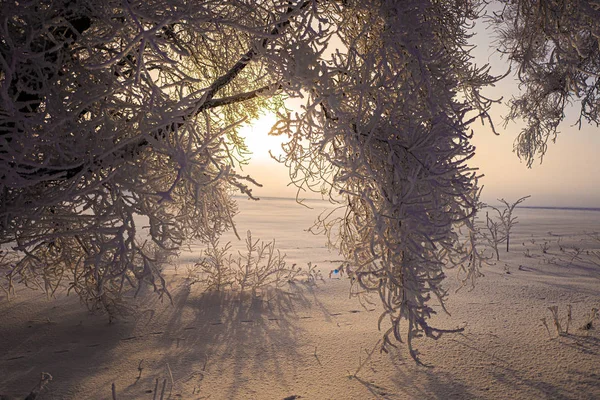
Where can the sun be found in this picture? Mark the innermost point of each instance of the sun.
(257, 139)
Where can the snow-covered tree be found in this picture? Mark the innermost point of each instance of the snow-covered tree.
(554, 46)
(114, 109)
(389, 134)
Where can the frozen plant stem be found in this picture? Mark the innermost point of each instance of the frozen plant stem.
(155, 393)
(546, 325)
(362, 363)
(171, 378)
(140, 369)
(495, 237)
(554, 311)
(162, 392)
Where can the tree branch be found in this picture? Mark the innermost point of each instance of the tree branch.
(205, 103)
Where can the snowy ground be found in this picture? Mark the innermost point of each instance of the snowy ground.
(313, 342)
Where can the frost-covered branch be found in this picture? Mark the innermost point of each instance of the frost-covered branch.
(115, 113)
(555, 47)
(390, 143)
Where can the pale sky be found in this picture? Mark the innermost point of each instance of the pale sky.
(570, 172)
(569, 175)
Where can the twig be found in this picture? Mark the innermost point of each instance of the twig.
(172, 381)
(316, 356)
(162, 392)
(140, 369)
(554, 311)
(369, 354)
(114, 391)
(44, 380)
(155, 389)
(547, 328)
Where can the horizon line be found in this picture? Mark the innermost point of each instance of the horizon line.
(574, 208)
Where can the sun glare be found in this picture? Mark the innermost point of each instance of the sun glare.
(256, 136)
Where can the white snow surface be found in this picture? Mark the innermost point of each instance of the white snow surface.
(309, 341)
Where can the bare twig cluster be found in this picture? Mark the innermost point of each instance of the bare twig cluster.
(260, 267)
(498, 228)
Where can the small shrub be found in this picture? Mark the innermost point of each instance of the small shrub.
(213, 267)
(499, 228)
(261, 266)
